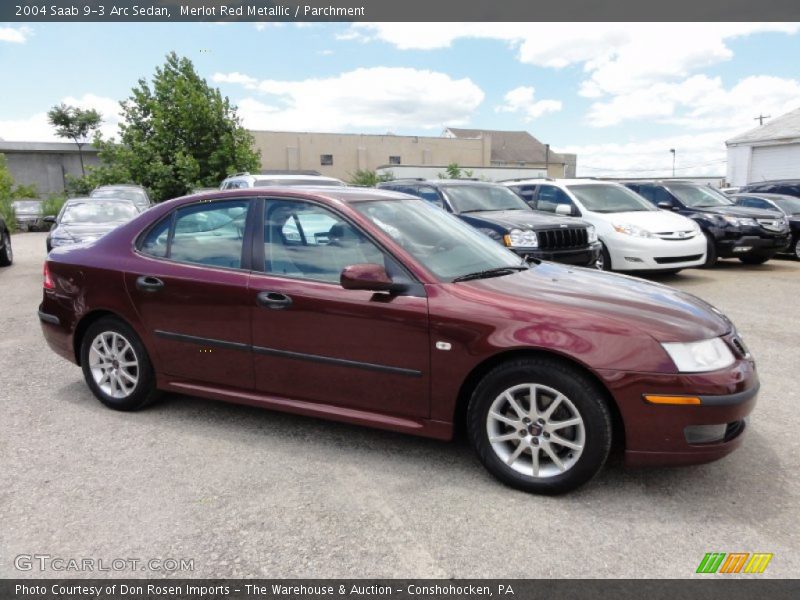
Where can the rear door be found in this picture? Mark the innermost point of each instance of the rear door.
(313, 340)
(190, 290)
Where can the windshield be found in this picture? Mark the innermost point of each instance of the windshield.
(27, 205)
(474, 198)
(98, 212)
(128, 194)
(788, 204)
(292, 182)
(444, 244)
(610, 198)
(699, 196)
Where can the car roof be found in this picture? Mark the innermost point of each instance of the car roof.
(436, 182)
(285, 176)
(767, 195)
(578, 181)
(346, 195)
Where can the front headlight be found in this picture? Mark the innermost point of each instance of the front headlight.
(698, 357)
(591, 232)
(632, 230)
(519, 238)
(740, 221)
(61, 240)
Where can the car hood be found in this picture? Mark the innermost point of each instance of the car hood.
(83, 230)
(601, 299)
(656, 221)
(520, 219)
(738, 211)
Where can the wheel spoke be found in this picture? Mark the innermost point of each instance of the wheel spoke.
(556, 425)
(557, 439)
(553, 456)
(513, 403)
(128, 363)
(105, 345)
(552, 408)
(503, 419)
(506, 437)
(533, 392)
(128, 376)
(515, 454)
(535, 454)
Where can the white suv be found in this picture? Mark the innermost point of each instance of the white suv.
(246, 180)
(636, 235)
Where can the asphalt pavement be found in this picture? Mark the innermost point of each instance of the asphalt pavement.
(245, 492)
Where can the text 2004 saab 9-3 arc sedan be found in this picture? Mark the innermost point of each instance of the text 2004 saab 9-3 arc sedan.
(375, 308)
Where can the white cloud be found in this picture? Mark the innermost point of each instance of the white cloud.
(522, 100)
(15, 35)
(35, 128)
(370, 98)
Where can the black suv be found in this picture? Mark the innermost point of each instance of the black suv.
(502, 215)
(751, 235)
(787, 187)
(789, 206)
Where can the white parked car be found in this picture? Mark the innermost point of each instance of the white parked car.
(247, 180)
(636, 235)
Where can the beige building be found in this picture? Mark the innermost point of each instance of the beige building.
(342, 154)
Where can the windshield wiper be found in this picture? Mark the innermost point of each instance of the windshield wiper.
(496, 272)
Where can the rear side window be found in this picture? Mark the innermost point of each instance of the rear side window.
(210, 234)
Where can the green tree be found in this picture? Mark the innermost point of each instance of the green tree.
(453, 171)
(76, 124)
(369, 178)
(177, 134)
(10, 192)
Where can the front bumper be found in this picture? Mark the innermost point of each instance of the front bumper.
(661, 435)
(630, 253)
(583, 257)
(751, 245)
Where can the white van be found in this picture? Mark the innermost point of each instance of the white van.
(636, 235)
(247, 180)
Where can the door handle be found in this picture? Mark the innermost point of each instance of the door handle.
(273, 300)
(148, 283)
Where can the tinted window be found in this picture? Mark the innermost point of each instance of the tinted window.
(306, 241)
(430, 194)
(210, 233)
(753, 202)
(474, 198)
(526, 192)
(550, 197)
(155, 242)
(699, 196)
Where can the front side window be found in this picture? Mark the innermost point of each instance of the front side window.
(444, 244)
(430, 194)
(305, 241)
(611, 198)
(550, 197)
(210, 234)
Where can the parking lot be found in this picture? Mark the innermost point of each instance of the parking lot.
(245, 492)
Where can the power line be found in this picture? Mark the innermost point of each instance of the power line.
(760, 118)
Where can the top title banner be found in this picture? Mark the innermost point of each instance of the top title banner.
(399, 10)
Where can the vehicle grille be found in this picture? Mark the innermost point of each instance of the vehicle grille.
(558, 239)
(676, 236)
(667, 260)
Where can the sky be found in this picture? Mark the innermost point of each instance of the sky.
(620, 95)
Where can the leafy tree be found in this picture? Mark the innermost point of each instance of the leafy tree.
(453, 171)
(76, 124)
(369, 178)
(177, 134)
(10, 192)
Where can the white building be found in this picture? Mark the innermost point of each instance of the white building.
(771, 151)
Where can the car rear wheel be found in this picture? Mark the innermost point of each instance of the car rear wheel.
(711, 252)
(754, 260)
(603, 262)
(796, 248)
(540, 425)
(6, 253)
(116, 366)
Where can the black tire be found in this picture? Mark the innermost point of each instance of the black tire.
(7, 252)
(794, 249)
(754, 260)
(585, 396)
(604, 260)
(144, 392)
(711, 253)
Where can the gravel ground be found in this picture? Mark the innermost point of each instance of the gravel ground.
(253, 493)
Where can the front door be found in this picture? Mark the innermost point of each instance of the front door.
(314, 340)
(191, 293)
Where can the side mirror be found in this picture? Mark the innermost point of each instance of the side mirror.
(49, 219)
(666, 205)
(565, 210)
(368, 276)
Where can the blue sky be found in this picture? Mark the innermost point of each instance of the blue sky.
(620, 95)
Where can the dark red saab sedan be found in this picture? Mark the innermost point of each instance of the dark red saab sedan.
(376, 308)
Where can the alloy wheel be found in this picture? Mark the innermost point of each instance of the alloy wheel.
(113, 364)
(797, 249)
(536, 430)
(9, 249)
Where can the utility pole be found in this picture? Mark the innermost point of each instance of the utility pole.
(673, 161)
(547, 160)
(760, 118)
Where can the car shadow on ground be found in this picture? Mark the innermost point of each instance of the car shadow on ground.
(691, 277)
(697, 490)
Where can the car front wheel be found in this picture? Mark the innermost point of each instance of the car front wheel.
(6, 253)
(116, 366)
(603, 262)
(540, 425)
(796, 248)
